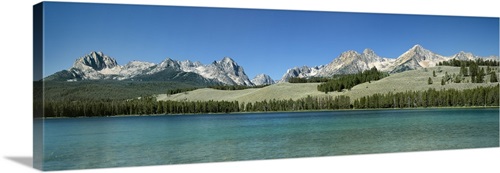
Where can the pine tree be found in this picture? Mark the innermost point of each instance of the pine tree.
(429, 81)
(433, 73)
(480, 76)
(458, 79)
(493, 77)
(462, 68)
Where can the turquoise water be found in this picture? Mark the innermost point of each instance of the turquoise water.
(79, 143)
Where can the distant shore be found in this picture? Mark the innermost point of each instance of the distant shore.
(273, 112)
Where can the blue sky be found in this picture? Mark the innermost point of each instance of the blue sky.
(262, 41)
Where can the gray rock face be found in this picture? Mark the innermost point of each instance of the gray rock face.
(262, 79)
(96, 61)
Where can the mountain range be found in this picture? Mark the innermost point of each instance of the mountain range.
(352, 62)
(98, 66)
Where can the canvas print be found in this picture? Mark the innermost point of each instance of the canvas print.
(135, 85)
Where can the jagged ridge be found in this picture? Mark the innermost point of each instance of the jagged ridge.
(97, 66)
(352, 62)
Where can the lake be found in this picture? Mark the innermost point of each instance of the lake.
(80, 143)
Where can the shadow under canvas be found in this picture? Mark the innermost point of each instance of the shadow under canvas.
(23, 160)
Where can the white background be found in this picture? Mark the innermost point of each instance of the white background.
(16, 89)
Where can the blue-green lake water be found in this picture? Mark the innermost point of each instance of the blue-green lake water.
(79, 143)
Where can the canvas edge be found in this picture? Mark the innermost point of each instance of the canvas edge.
(38, 10)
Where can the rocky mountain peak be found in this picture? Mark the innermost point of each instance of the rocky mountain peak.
(169, 63)
(96, 61)
(368, 52)
(417, 47)
(463, 56)
(350, 53)
(262, 79)
(420, 51)
(462, 53)
(227, 60)
(415, 58)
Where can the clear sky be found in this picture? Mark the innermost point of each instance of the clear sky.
(262, 41)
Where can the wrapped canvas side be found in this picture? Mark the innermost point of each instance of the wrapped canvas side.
(38, 86)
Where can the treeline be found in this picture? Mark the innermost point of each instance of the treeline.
(235, 87)
(351, 80)
(308, 103)
(308, 80)
(481, 96)
(143, 106)
(179, 90)
(217, 87)
(479, 61)
(149, 106)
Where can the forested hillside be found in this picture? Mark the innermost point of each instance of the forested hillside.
(481, 96)
(111, 90)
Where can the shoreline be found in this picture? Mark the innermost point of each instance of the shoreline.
(271, 112)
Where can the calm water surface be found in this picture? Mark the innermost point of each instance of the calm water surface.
(79, 143)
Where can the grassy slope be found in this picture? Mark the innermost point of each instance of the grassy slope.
(277, 91)
(415, 80)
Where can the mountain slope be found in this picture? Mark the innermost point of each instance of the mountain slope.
(174, 75)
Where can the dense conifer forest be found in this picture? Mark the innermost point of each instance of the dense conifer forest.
(348, 81)
(341, 82)
(235, 87)
(481, 96)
